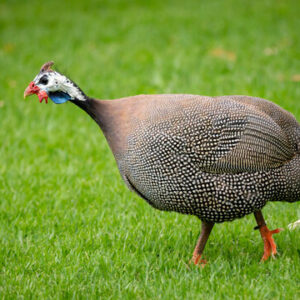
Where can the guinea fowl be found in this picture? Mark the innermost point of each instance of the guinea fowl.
(218, 158)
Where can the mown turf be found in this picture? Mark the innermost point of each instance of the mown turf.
(69, 228)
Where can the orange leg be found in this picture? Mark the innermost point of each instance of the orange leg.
(266, 234)
(197, 254)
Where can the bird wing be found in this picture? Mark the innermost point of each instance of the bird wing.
(219, 136)
(245, 143)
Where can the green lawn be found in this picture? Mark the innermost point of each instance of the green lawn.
(69, 228)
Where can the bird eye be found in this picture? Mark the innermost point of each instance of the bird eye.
(43, 80)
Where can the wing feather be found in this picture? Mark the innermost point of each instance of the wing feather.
(217, 136)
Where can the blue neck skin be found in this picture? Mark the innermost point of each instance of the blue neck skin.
(59, 97)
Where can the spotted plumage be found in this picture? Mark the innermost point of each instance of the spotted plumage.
(215, 158)
(218, 158)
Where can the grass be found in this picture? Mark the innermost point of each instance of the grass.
(69, 228)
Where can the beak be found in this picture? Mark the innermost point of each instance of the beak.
(34, 89)
(31, 89)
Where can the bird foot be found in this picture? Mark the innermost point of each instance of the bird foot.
(269, 244)
(198, 261)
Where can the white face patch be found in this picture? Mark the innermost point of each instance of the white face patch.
(55, 82)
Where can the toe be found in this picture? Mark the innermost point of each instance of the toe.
(198, 261)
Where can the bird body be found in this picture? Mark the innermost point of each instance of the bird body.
(218, 158)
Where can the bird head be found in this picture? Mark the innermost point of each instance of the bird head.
(56, 86)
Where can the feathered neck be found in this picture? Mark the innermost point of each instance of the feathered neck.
(107, 115)
(89, 107)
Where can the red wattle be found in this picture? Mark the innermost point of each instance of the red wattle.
(42, 95)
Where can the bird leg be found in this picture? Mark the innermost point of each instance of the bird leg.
(266, 234)
(205, 232)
